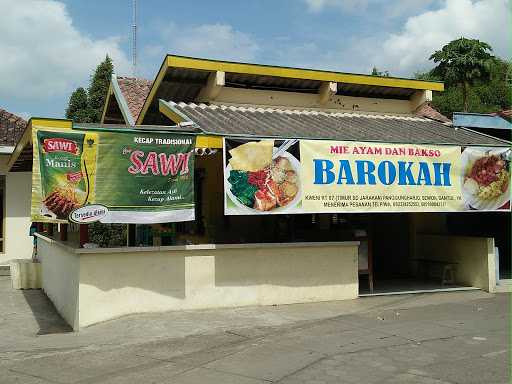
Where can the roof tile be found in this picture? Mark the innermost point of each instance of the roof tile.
(135, 92)
(11, 128)
(428, 111)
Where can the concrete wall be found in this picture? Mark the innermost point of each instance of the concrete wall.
(115, 283)
(262, 98)
(474, 255)
(60, 270)
(18, 243)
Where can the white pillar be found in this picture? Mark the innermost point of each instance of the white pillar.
(18, 244)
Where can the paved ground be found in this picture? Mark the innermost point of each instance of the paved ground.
(460, 337)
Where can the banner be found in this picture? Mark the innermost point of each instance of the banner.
(320, 176)
(113, 177)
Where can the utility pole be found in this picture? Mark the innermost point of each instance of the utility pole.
(134, 38)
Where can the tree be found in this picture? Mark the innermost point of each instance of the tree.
(87, 106)
(78, 106)
(376, 72)
(463, 62)
(99, 87)
(486, 95)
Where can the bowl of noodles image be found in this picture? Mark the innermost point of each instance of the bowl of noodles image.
(486, 178)
(266, 185)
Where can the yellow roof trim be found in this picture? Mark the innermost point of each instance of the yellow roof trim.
(107, 100)
(152, 92)
(51, 123)
(204, 141)
(171, 113)
(172, 61)
(298, 73)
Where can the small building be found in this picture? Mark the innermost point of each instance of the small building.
(15, 181)
(219, 260)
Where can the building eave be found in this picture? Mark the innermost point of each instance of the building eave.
(190, 63)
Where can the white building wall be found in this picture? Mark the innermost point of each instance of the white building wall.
(60, 279)
(17, 242)
(88, 286)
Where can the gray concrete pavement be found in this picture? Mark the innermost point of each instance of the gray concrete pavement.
(459, 337)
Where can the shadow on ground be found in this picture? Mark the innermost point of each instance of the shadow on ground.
(47, 317)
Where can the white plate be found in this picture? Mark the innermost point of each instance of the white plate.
(468, 158)
(244, 209)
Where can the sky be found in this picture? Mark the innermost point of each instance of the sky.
(49, 47)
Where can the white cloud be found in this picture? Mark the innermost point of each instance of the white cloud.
(409, 50)
(384, 8)
(347, 5)
(213, 41)
(404, 52)
(43, 55)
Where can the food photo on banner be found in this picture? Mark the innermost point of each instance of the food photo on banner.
(112, 177)
(486, 178)
(265, 176)
(262, 177)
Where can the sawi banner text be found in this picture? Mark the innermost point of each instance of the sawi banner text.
(113, 177)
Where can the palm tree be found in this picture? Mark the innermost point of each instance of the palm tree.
(462, 62)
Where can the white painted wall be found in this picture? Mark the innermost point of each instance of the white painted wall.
(116, 283)
(18, 243)
(60, 270)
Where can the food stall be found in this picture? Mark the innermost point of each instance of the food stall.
(228, 204)
(259, 197)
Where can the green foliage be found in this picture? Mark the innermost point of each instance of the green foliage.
(78, 107)
(426, 76)
(487, 95)
(98, 88)
(463, 62)
(376, 72)
(87, 106)
(108, 235)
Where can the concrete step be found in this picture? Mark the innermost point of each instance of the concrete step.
(5, 270)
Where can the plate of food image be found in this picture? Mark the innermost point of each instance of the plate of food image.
(486, 179)
(259, 182)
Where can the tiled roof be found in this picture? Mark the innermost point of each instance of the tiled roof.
(271, 122)
(135, 92)
(11, 128)
(426, 110)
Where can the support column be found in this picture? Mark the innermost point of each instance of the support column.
(419, 98)
(211, 90)
(326, 90)
(63, 232)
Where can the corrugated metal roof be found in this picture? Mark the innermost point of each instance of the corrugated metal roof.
(313, 124)
(480, 120)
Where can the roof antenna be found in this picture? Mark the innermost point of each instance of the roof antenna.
(134, 38)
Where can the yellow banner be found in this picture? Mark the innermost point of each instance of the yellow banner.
(356, 176)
